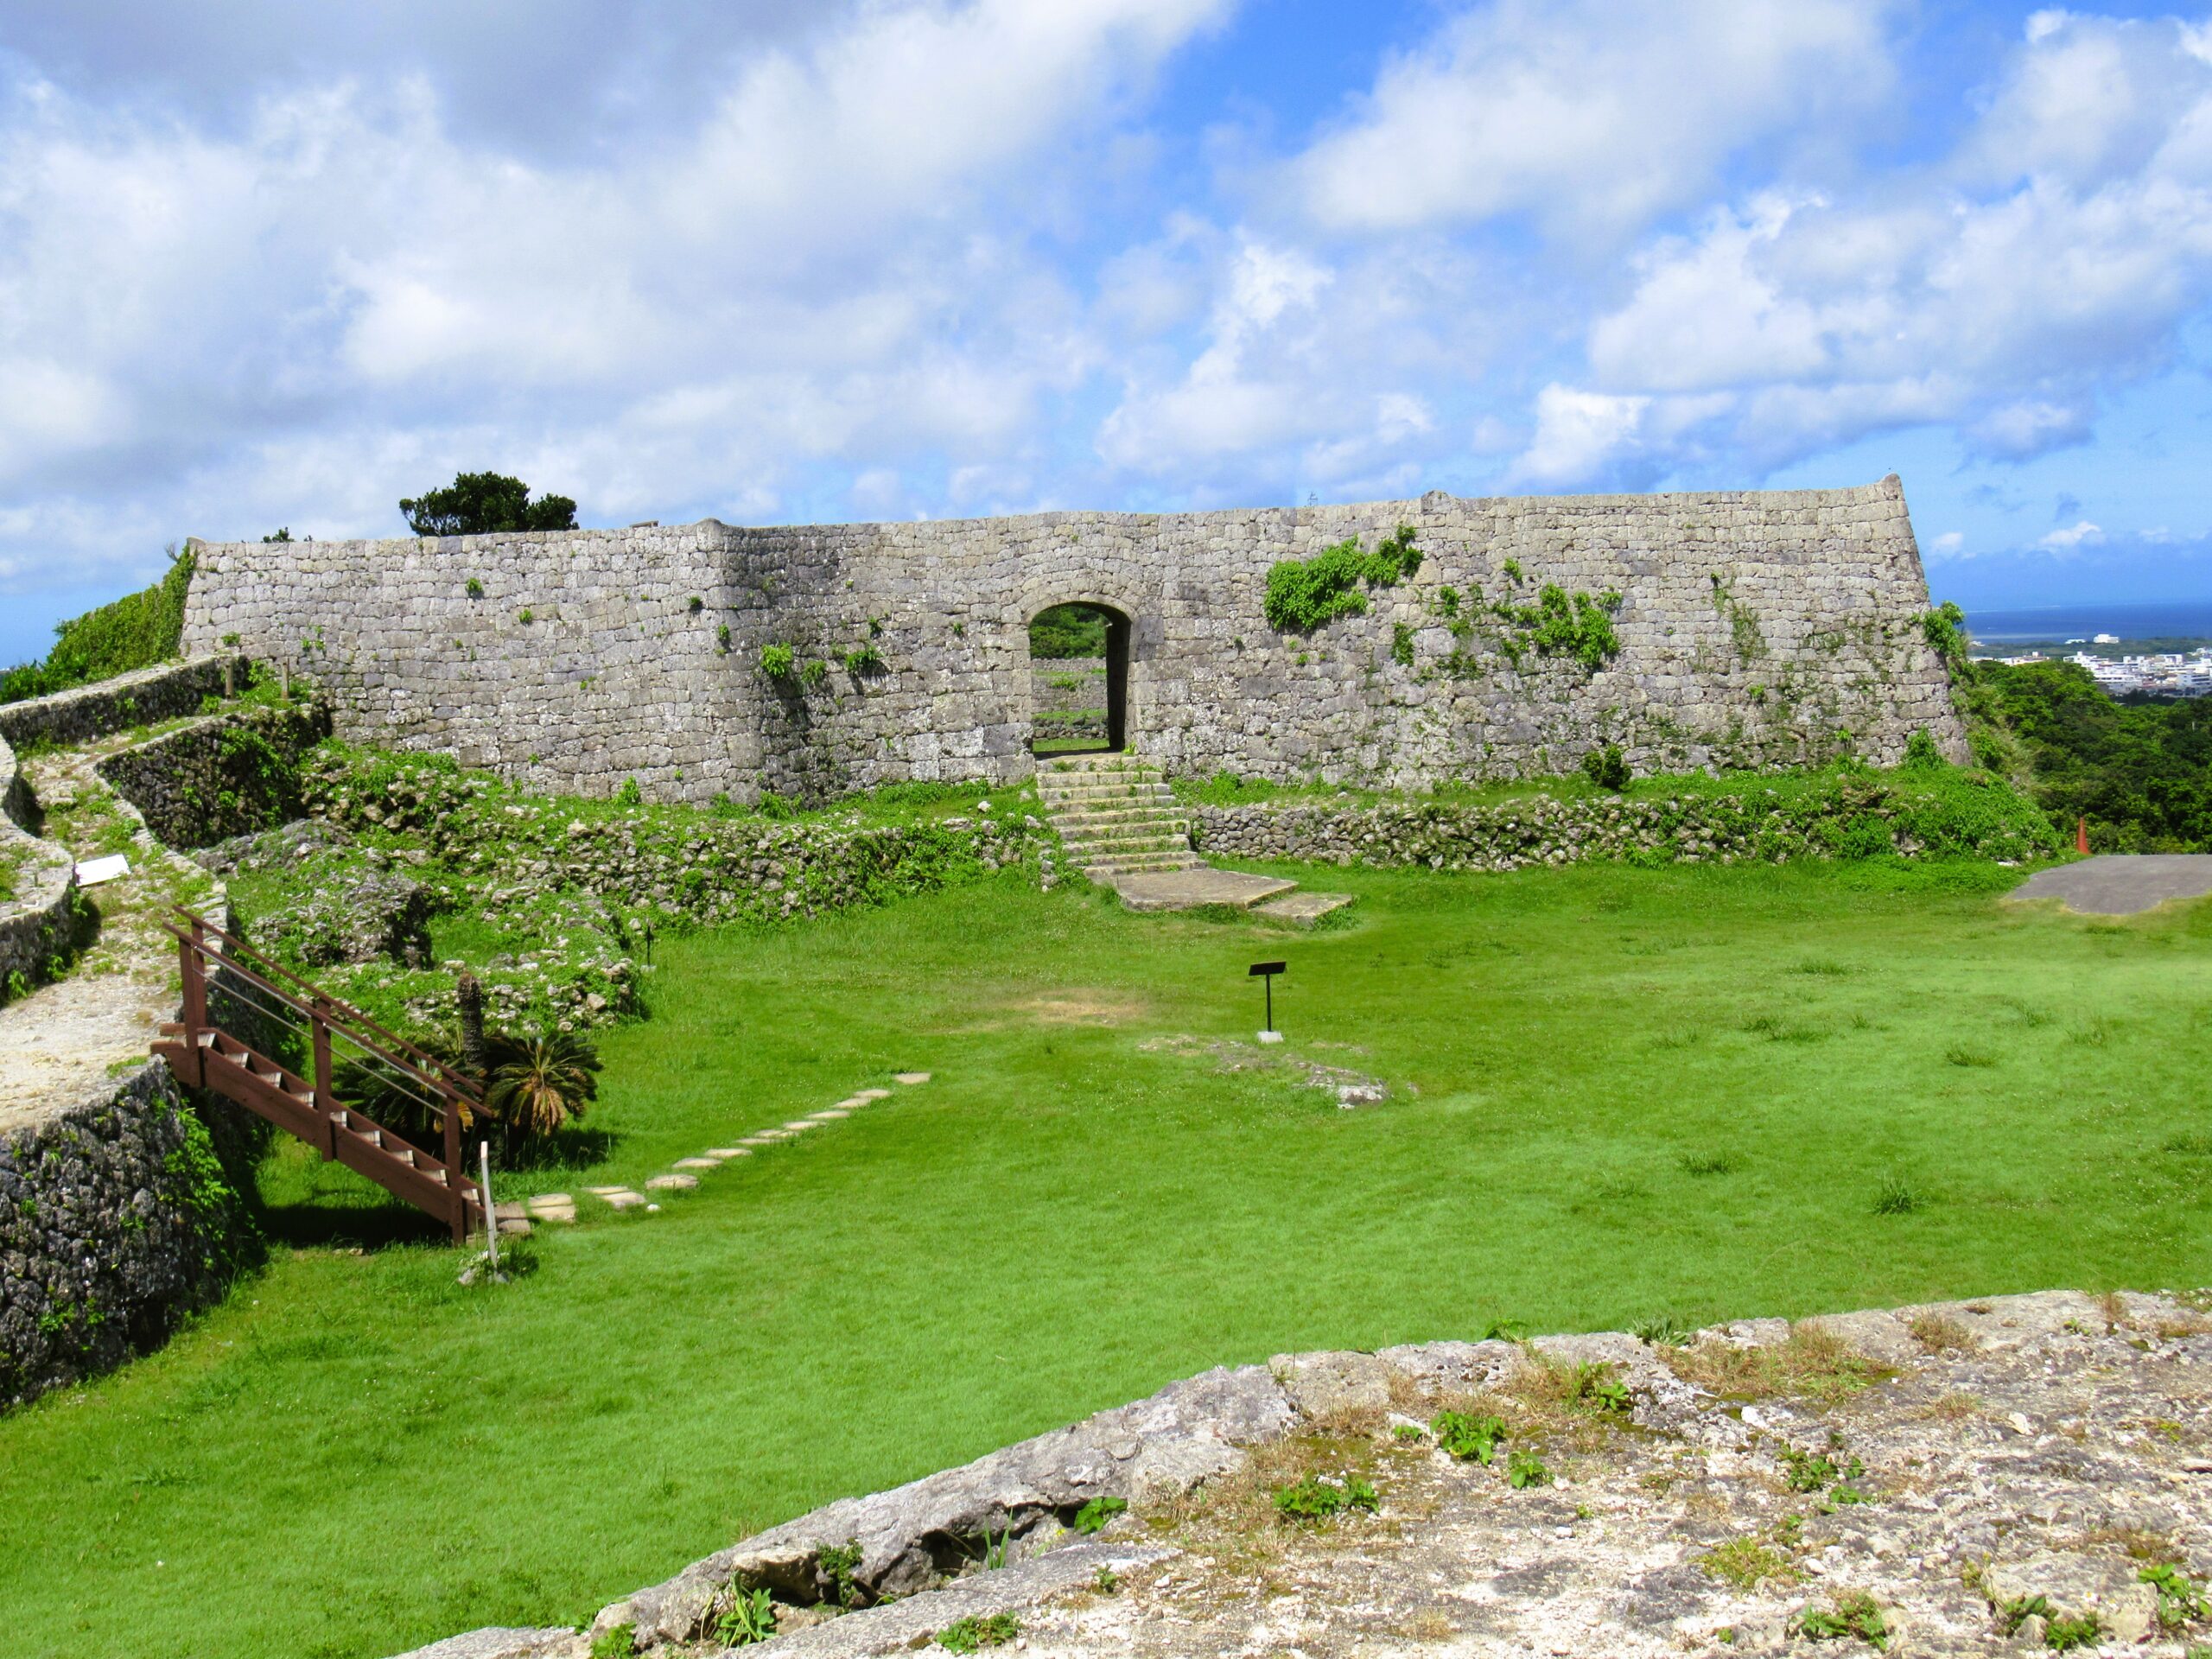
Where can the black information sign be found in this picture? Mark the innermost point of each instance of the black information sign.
(1265, 972)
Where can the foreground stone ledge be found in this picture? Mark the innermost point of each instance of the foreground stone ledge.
(2048, 1445)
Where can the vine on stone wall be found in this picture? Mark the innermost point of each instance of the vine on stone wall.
(1559, 624)
(1303, 595)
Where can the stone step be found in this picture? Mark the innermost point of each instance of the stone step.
(1117, 846)
(1303, 909)
(1142, 864)
(1132, 792)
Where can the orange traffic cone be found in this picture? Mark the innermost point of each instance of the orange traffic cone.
(2082, 836)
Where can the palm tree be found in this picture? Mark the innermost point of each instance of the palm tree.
(536, 1083)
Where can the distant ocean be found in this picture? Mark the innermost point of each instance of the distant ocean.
(2188, 619)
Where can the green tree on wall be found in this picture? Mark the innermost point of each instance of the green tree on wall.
(481, 503)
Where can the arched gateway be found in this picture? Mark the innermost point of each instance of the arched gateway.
(1079, 679)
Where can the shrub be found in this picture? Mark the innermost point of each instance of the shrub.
(1606, 767)
(1402, 645)
(474, 588)
(1303, 595)
(629, 794)
(1063, 631)
(536, 1083)
(1921, 753)
(777, 661)
(134, 632)
(861, 658)
(813, 674)
(484, 503)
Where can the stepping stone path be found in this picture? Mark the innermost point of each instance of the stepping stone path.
(559, 1207)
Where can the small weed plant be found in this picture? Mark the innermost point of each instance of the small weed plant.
(978, 1631)
(1093, 1516)
(1817, 1471)
(1595, 1386)
(1524, 1470)
(621, 1643)
(1744, 1563)
(1317, 1497)
(838, 1563)
(1468, 1438)
(750, 1618)
(1854, 1613)
(1895, 1196)
(779, 661)
(2180, 1601)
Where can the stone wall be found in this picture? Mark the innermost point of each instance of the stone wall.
(37, 920)
(1754, 630)
(1846, 817)
(227, 775)
(117, 1217)
(138, 699)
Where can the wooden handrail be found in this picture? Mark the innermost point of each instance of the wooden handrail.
(208, 1057)
(341, 1013)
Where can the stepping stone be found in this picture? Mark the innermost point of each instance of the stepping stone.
(799, 1123)
(511, 1210)
(721, 1153)
(1302, 909)
(760, 1139)
(698, 1163)
(553, 1206)
(671, 1183)
(623, 1199)
(910, 1077)
(830, 1116)
(851, 1105)
(513, 1226)
(605, 1191)
(872, 1094)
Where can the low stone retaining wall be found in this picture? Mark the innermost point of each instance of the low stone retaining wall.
(85, 712)
(225, 776)
(38, 920)
(118, 1217)
(1848, 818)
(701, 868)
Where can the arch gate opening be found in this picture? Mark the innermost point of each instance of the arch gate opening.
(1079, 680)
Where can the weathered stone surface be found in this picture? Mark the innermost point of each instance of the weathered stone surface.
(553, 1641)
(115, 705)
(1754, 628)
(2044, 1439)
(225, 776)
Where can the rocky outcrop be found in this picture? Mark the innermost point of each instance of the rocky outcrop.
(1971, 1478)
(356, 908)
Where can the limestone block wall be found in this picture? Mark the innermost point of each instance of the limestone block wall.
(117, 1217)
(85, 712)
(1755, 630)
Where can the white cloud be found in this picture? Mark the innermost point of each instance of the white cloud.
(1592, 116)
(1808, 321)
(1580, 434)
(1950, 544)
(2083, 534)
(339, 295)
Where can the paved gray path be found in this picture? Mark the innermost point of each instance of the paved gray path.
(2121, 884)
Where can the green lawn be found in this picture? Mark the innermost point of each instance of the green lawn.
(355, 1455)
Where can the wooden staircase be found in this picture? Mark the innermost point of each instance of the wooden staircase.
(203, 1056)
(1115, 815)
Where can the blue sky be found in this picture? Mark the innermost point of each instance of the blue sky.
(790, 260)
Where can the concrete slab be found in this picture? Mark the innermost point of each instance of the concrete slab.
(830, 1116)
(698, 1163)
(910, 1077)
(671, 1183)
(1189, 889)
(722, 1153)
(2115, 884)
(872, 1094)
(1302, 909)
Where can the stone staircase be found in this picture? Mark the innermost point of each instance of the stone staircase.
(1116, 815)
(1119, 823)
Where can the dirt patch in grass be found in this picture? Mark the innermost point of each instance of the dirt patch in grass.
(1811, 1364)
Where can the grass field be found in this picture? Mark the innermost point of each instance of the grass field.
(1617, 1094)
